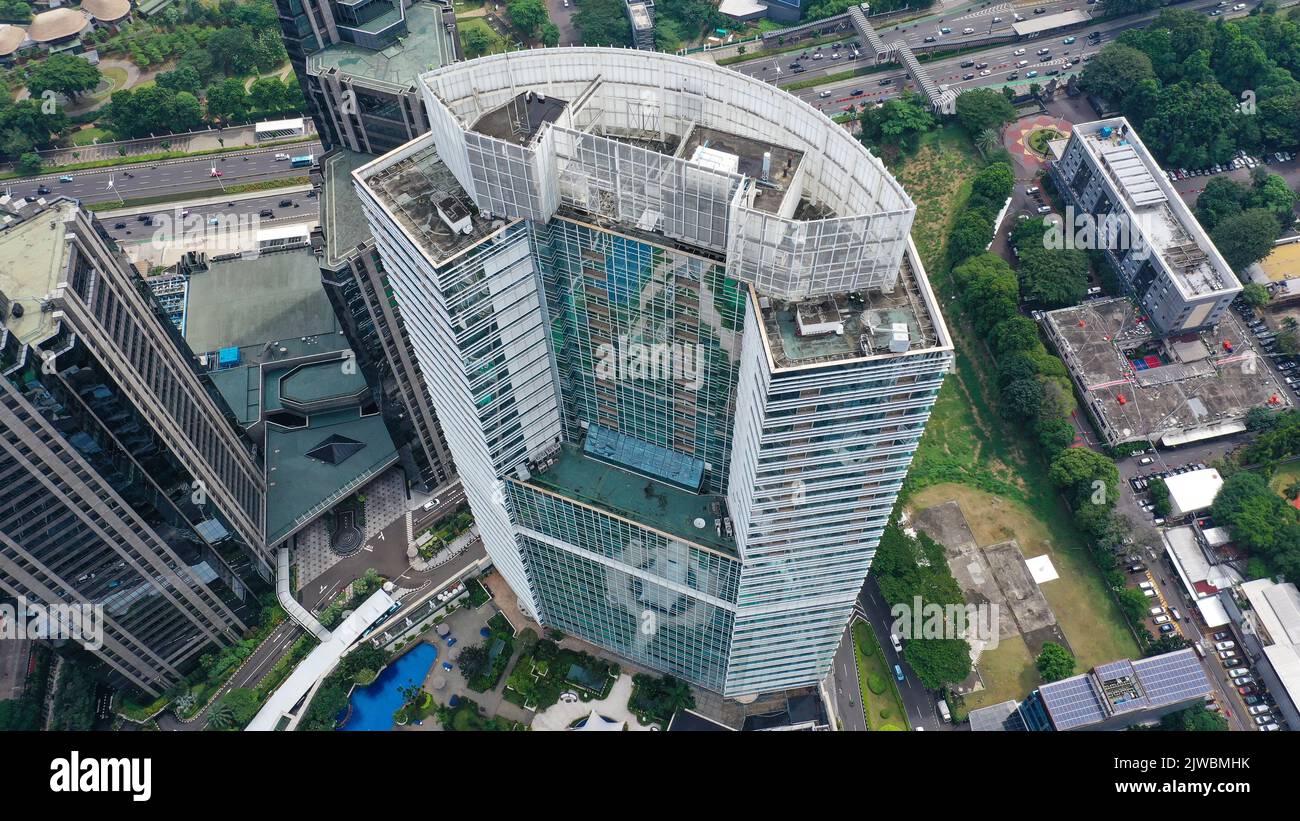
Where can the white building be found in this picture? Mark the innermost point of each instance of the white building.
(578, 216)
(1192, 492)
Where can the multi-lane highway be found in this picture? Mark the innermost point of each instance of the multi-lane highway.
(125, 225)
(1001, 58)
(168, 177)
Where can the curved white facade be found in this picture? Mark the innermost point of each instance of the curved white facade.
(606, 133)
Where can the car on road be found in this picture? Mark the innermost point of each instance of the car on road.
(1069, 41)
(887, 81)
(44, 189)
(898, 672)
(968, 30)
(945, 30)
(1031, 74)
(119, 226)
(968, 64)
(1040, 10)
(1043, 209)
(1239, 7)
(1013, 75)
(281, 157)
(929, 39)
(897, 642)
(214, 173)
(857, 92)
(824, 94)
(997, 19)
(65, 178)
(1043, 51)
(286, 203)
(266, 212)
(1018, 52)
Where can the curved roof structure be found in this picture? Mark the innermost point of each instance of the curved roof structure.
(57, 24)
(107, 11)
(11, 37)
(691, 151)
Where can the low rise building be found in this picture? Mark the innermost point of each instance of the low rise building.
(1140, 386)
(1146, 231)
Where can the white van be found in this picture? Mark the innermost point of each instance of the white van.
(897, 642)
(942, 705)
(1157, 611)
(1161, 619)
(1146, 586)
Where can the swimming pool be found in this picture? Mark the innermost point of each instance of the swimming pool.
(373, 705)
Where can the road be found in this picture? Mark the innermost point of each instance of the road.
(128, 228)
(1001, 58)
(169, 177)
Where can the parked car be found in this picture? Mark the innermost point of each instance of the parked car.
(1166, 628)
(1224, 645)
(1242, 681)
(1237, 672)
(1264, 719)
(1259, 709)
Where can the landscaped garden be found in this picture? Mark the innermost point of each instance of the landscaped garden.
(880, 699)
(444, 532)
(483, 664)
(545, 670)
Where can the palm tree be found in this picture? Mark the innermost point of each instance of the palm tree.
(988, 141)
(222, 717)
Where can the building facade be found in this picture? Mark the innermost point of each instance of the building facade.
(1160, 252)
(352, 273)
(126, 483)
(684, 349)
(358, 63)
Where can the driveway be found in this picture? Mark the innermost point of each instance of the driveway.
(562, 17)
(613, 707)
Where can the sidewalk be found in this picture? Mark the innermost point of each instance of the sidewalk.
(191, 142)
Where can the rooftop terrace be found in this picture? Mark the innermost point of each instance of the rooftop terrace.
(635, 496)
(782, 163)
(519, 119)
(426, 45)
(250, 302)
(33, 261)
(865, 321)
(412, 188)
(342, 219)
(1139, 388)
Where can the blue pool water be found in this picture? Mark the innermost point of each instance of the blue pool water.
(373, 705)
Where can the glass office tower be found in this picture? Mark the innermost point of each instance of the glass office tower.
(123, 481)
(684, 349)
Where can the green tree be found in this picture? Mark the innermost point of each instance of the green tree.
(1022, 399)
(227, 100)
(939, 663)
(1086, 477)
(1256, 295)
(29, 164)
(603, 23)
(1246, 238)
(982, 109)
(1055, 662)
(550, 34)
(528, 15)
(267, 94)
(64, 74)
(476, 40)
(1115, 71)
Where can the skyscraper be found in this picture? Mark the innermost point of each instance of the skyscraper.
(679, 342)
(358, 62)
(124, 482)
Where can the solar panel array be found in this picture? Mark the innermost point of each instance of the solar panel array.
(1172, 677)
(1072, 703)
(1153, 682)
(1133, 175)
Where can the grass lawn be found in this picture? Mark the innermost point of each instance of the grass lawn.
(498, 43)
(1283, 477)
(1083, 607)
(88, 136)
(1008, 672)
(872, 662)
(969, 453)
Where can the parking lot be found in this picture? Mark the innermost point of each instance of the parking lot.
(1246, 701)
